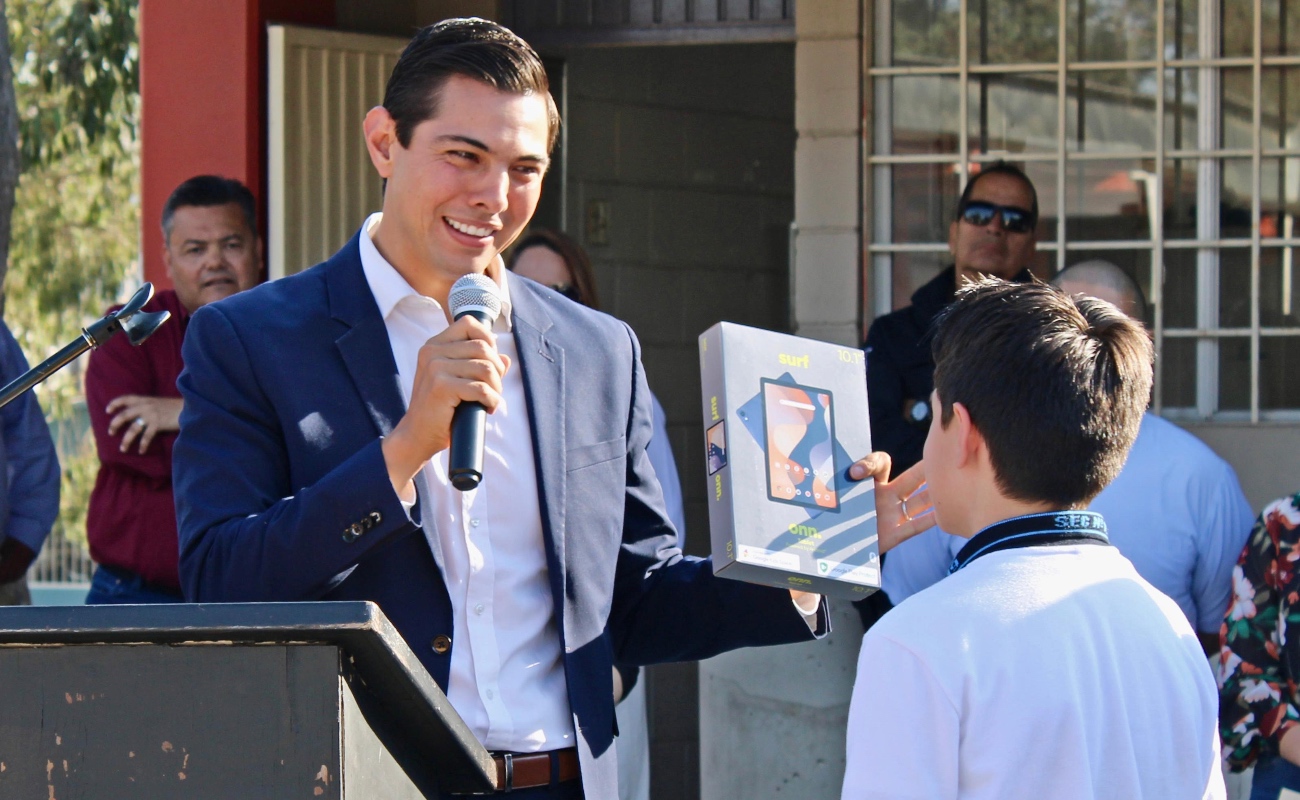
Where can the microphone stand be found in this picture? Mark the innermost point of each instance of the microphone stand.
(137, 324)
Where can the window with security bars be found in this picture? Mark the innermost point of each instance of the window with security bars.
(1162, 135)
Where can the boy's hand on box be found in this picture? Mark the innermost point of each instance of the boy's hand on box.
(903, 507)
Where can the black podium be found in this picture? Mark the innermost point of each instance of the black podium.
(239, 700)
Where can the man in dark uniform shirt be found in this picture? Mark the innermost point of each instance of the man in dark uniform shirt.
(992, 234)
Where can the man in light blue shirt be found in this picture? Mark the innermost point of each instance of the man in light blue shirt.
(29, 496)
(1176, 510)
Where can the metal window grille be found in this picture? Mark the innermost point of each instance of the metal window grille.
(1189, 147)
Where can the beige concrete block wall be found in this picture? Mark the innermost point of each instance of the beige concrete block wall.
(827, 253)
(826, 190)
(827, 83)
(772, 720)
(1266, 456)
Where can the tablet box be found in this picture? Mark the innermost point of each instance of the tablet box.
(784, 418)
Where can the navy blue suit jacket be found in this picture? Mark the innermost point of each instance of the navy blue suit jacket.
(288, 388)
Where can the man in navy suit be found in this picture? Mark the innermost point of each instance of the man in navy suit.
(311, 463)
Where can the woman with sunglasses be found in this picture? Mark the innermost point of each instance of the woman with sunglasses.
(555, 260)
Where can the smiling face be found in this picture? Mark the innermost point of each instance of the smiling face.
(989, 249)
(465, 187)
(211, 254)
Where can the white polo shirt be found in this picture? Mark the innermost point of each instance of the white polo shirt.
(1040, 672)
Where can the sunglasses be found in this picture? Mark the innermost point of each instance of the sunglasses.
(1014, 220)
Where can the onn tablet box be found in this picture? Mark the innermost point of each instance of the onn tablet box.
(784, 418)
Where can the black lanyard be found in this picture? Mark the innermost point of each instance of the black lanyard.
(1034, 530)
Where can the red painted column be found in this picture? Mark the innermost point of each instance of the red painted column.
(202, 95)
(198, 104)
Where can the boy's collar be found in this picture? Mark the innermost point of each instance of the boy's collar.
(1034, 530)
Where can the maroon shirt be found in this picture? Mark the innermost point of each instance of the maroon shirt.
(132, 519)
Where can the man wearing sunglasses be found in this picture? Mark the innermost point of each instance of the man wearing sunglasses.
(992, 234)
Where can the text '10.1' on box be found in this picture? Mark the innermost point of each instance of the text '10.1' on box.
(784, 419)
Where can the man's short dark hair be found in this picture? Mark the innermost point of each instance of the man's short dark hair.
(209, 190)
(474, 48)
(1056, 385)
(1000, 168)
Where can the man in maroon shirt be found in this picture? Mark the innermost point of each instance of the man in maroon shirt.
(212, 251)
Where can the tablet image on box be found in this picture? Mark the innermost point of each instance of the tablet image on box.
(784, 419)
(799, 434)
(717, 444)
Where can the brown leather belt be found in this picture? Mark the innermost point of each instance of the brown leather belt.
(530, 770)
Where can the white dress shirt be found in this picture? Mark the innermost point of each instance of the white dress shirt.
(507, 669)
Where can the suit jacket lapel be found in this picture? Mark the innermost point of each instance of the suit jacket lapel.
(541, 361)
(365, 348)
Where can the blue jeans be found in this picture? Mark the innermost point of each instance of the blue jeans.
(112, 586)
(1272, 775)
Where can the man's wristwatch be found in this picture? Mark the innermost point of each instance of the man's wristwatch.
(917, 412)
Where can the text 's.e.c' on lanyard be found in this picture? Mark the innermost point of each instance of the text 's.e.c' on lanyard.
(1034, 530)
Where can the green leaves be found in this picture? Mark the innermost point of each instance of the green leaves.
(76, 219)
(76, 75)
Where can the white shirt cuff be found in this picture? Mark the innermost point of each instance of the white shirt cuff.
(807, 605)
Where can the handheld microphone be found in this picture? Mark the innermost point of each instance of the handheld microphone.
(476, 295)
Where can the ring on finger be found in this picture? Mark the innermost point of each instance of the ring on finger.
(902, 505)
(139, 421)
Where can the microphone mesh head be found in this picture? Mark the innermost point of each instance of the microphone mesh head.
(474, 292)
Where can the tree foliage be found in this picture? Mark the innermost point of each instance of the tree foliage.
(75, 231)
(80, 63)
(76, 81)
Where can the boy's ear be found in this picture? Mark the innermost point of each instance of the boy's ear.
(970, 441)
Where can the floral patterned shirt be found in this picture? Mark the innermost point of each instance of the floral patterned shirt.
(1260, 659)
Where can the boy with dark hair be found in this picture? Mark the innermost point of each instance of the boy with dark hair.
(1043, 666)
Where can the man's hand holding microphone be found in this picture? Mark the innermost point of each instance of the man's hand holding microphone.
(456, 368)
